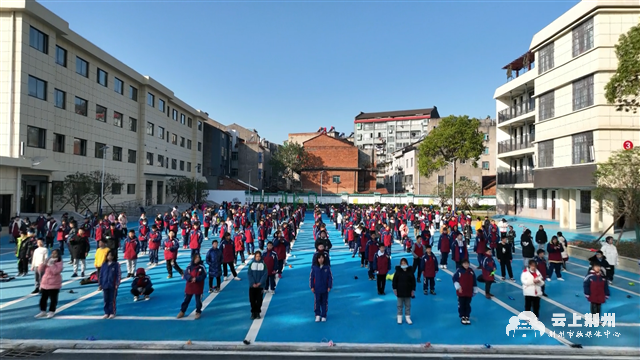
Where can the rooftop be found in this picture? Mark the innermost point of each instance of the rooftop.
(429, 112)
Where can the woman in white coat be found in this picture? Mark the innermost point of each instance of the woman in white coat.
(610, 252)
(532, 283)
(565, 254)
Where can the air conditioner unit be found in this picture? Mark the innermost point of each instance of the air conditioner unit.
(358, 126)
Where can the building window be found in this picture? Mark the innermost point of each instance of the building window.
(188, 167)
(61, 56)
(486, 137)
(199, 125)
(116, 189)
(37, 88)
(545, 58)
(151, 100)
(336, 179)
(133, 124)
(161, 105)
(149, 128)
(441, 179)
(189, 122)
(545, 154)
(161, 132)
(486, 151)
(160, 161)
(101, 113)
(57, 187)
(39, 40)
(117, 153)
(485, 165)
(544, 199)
(132, 156)
(167, 137)
(583, 148)
(582, 37)
(117, 119)
(533, 199)
(58, 143)
(462, 178)
(182, 141)
(182, 119)
(82, 67)
(546, 105)
(99, 150)
(583, 93)
(81, 106)
(520, 198)
(174, 139)
(199, 146)
(102, 77)
(585, 202)
(234, 172)
(133, 93)
(36, 137)
(259, 174)
(59, 98)
(174, 164)
(259, 158)
(189, 144)
(79, 147)
(234, 155)
(150, 159)
(198, 167)
(175, 115)
(181, 165)
(131, 189)
(118, 86)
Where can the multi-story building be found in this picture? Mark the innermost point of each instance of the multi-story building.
(67, 106)
(216, 156)
(250, 157)
(554, 123)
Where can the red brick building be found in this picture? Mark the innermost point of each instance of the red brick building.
(338, 165)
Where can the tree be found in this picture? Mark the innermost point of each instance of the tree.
(623, 89)
(111, 182)
(76, 189)
(443, 194)
(184, 189)
(289, 160)
(618, 186)
(455, 139)
(465, 190)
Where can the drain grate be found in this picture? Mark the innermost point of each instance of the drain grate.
(22, 354)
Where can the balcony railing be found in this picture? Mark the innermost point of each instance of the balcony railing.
(516, 177)
(515, 111)
(516, 143)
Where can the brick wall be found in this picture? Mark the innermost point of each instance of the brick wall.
(348, 181)
(327, 152)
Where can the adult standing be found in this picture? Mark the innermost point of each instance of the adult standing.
(532, 283)
(528, 249)
(50, 284)
(541, 238)
(505, 257)
(404, 287)
(610, 252)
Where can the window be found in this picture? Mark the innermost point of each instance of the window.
(583, 93)
(36, 137)
(161, 132)
(585, 201)
(174, 139)
(181, 165)
(59, 98)
(133, 93)
(39, 40)
(150, 159)
(174, 164)
(234, 155)
(175, 115)
(198, 167)
(101, 113)
(149, 128)
(189, 144)
(116, 189)
(188, 167)
(81, 106)
(533, 199)
(182, 141)
(160, 161)
(37, 88)
(167, 137)
(182, 119)
(544, 199)
(545, 58)
(131, 189)
(61, 56)
(520, 198)
(79, 147)
(151, 100)
(82, 67)
(485, 165)
(336, 179)
(259, 174)
(102, 77)
(199, 125)
(259, 158)
(99, 150)
(486, 151)
(117, 119)
(582, 37)
(583, 148)
(118, 86)
(132, 156)
(486, 137)
(117, 153)
(546, 105)
(199, 146)
(234, 172)
(133, 124)
(189, 122)
(58, 143)
(545, 154)
(463, 178)
(161, 105)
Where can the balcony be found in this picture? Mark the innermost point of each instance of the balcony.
(517, 177)
(515, 111)
(516, 143)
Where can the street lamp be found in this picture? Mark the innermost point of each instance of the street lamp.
(104, 157)
(453, 186)
(195, 192)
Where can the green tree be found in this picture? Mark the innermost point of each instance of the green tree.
(466, 190)
(442, 193)
(456, 139)
(111, 182)
(623, 89)
(184, 189)
(618, 186)
(76, 189)
(289, 161)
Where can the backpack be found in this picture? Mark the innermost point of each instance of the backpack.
(92, 279)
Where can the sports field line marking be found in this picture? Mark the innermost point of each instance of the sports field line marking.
(99, 317)
(610, 285)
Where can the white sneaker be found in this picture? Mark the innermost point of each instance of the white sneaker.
(112, 316)
(323, 319)
(237, 278)
(50, 314)
(41, 314)
(105, 316)
(445, 266)
(135, 298)
(560, 279)
(408, 318)
(317, 318)
(548, 279)
(399, 319)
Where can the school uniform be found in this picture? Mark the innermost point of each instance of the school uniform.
(144, 238)
(459, 252)
(270, 259)
(381, 264)
(109, 281)
(171, 246)
(464, 281)
(141, 284)
(256, 274)
(50, 231)
(444, 246)
(199, 273)
(238, 241)
(249, 239)
(369, 253)
(555, 259)
(214, 261)
(429, 268)
(505, 256)
(417, 250)
(155, 238)
(321, 281)
(488, 271)
(131, 249)
(195, 241)
(480, 246)
(596, 290)
(228, 257)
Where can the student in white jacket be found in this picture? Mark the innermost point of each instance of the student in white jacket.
(532, 282)
(40, 256)
(565, 254)
(610, 252)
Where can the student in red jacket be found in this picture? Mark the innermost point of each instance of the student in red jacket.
(381, 265)
(228, 256)
(444, 245)
(171, 246)
(429, 268)
(155, 238)
(464, 281)
(195, 239)
(270, 259)
(194, 275)
(488, 272)
(144, 236)
(596, 288)
(131, 249)
(555, 249)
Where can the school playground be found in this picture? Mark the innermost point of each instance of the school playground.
(357, 315)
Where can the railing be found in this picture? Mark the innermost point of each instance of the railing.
(517, 143)
(515, 111)
(518, 177)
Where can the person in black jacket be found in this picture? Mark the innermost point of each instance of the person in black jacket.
(505, 256)
(404, 287)
(528, 249)
(79, 248)
(324, 240)
(541, 238)
(112, 239)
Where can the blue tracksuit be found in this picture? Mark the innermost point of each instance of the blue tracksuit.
(109, 282)
(320, 281)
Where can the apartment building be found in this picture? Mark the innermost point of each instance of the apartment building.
(67, 106)
(554, 124)
(250, 157)
(216, 155)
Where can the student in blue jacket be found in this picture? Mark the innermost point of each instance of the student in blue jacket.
(321, 282)
(109, 282)
(214, 261)
(257, 275)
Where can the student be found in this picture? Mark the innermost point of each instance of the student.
(565, 248)
(141, 285)
(369, 253)
(532, 284)
(417, 251)
(171, 246)
(195, 239)
(281, 249)
(541, 238)
(321, 282)
(381, 266)
(109, 281)
(429, 268)
(504, 228)
(528, 249)
(206, 222)
(249, 238)
(131, 249)
(464, 281)
(50, 230)
(610, 252)
(112, 239)
(404, 287)
(50, 283)
(488, 272)
(238, 241)
(596, 288)
(511, 238)
(23, 251)
(602, 260)
(554, 248)
(505, 257)
(100, 257)
(459, 250)
(144, 236)
(228, 256)
(541, 266)
(155, 238)
(320, 252)
(214, 260)
(194, 275)
(262, 234)
(361, 247)
(479, 246)
(257, 276)
(444, 246)
(270, 259)
(39, 257)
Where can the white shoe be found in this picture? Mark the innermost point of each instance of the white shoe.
(445, 266)
(112, 316)
(548, 279)
(50, 314)
(317, 318)
(41, 314)
(408, 319)
(135, 298)
(399, 319)
(105, 316)
(237, 278)
(323, 319)
(560, 279)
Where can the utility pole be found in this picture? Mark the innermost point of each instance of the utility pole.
(104, 157)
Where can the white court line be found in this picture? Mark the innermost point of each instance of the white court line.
(610, 285)
(99, 317)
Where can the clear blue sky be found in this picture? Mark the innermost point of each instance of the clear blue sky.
(293, 66)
